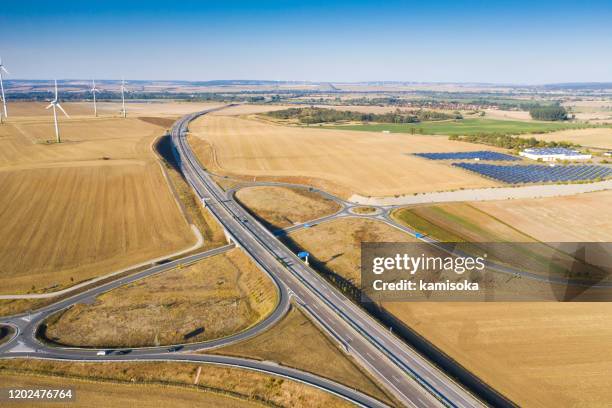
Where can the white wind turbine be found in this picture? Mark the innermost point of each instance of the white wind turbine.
(3, 69)
(93, 92)
(55, 104)
(123, 111)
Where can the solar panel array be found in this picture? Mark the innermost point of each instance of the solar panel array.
(481, 155)
(534, 173)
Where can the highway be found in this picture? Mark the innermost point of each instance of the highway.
(410, 377)
(413, 380)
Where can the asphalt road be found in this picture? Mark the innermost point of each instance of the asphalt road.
(410, 377)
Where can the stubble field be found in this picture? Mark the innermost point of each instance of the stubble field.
(96, 203)
(518, 348)
(342, 162)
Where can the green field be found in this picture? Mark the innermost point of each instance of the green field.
(464, 127)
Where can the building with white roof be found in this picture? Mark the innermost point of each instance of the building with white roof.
(549, 154)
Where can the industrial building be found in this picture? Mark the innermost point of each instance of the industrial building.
(554, 154)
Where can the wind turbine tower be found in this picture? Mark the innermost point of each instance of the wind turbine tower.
(93, 92)
(3, 69)
(123, 111)
(55, 104)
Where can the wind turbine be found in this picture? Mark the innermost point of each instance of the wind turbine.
(2, 68)
(55, 104)
(93, 92)
(123, 111)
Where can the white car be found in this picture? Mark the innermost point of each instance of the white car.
(102, 353)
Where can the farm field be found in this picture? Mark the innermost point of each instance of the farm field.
(523, 348)
(97, 203)
(593, 137)
(578, 218)
(518, 348)
(316, 353)
(338, 161)
(458, 222)
(463, 127)
(169, 376)
(222, 295)
(281, 207)
(21, 110)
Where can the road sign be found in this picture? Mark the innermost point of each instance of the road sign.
(303, 254)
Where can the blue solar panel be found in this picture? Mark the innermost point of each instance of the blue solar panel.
(481, 155)
(535, 173)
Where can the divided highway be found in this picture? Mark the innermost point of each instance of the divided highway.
(410, 377)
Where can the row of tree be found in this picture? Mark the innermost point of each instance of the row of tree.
(314, 115)
(509, 142)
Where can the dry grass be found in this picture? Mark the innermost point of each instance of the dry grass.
(223, 295)
(337, 244)
(339, 161)
(283, 206)
(98, 394)
(297, 342)
(196, 213)
(236, 382)
(363, 210)
(579, 218)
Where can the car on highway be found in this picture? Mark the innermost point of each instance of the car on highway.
(175, 349)
(104, 352)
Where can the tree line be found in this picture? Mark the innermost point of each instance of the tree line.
(509, 142)
(314, 115)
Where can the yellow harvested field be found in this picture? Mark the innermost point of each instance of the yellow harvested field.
(20, 110)
(340, 161)
(579, 218)
(94, 204)
(222, 295)
(101, 394)
(315, 353)
(537, 354)
(244, 384)
(337, 244)
(283, 206)
(249, 109)
(518, 348)
(593, 137)
(68, 224)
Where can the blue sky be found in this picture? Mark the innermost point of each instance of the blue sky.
(460, 41)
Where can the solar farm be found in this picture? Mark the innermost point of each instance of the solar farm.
(477, 155)
(534, 173)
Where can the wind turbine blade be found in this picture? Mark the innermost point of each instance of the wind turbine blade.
(62, 109)
(4, 69)
(56, 89)
(50, 105)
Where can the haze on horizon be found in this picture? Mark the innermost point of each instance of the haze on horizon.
(507, 42)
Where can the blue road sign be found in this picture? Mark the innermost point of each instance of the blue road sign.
(303, 254)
